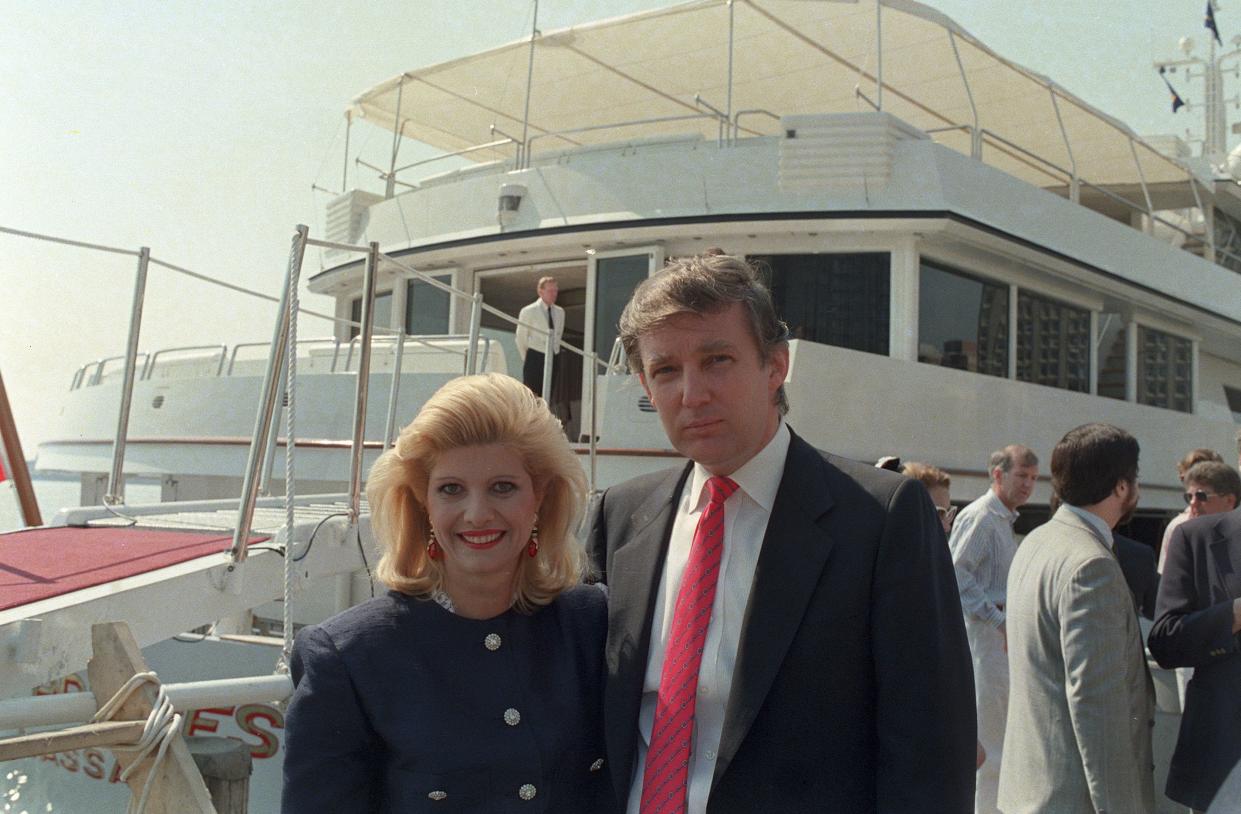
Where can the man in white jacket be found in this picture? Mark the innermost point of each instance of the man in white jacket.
(535, 321)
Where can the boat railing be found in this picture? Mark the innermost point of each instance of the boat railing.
(754, 111)
(1147, 209)
(92, 373)
(190, 355)
(389, 178)
(238, 363)
(324, 355)
(528, 148)
(451, 345)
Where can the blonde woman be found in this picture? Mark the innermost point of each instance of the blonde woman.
(476, 682)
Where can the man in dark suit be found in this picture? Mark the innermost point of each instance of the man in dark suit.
(1197, 621)
(1137, 562)
(785, 632)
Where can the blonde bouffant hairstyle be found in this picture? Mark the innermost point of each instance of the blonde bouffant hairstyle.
(490, 408)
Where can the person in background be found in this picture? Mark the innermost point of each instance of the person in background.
(1137, 562)
(982, 545)
(1082, 704)
(533, 324)
(938, 485)
(771, 604)
(1206, 493)
(1194, 456)
(476, 682)
(1197, 622)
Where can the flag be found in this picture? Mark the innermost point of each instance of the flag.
(1177, 101)
(1209, 22)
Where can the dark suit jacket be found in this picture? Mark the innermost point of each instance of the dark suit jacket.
(402, 706)
(1137, 562)
(853, 689)
(1193, 628)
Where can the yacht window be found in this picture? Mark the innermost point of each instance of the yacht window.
(383, 312)
(1053, 343)
(833, 299)
(1227, 240)
(962, 322)
(1234, 402)
(1165, 370)
(615, 281)
(427, 307)
(1112, 357)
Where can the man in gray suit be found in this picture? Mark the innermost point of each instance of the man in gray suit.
(1081, 704)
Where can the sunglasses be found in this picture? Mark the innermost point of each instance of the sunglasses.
(1198, 495)
(946, 514)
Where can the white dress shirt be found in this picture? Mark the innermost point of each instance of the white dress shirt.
(982, 546)
(746, 513)
(1098, 524)
(531, 333)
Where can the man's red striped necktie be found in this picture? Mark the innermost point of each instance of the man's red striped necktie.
(667, 761)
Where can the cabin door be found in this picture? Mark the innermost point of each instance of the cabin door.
(510, 289)
(611, 278)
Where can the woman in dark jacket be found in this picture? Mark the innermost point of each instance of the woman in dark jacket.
(475, 684)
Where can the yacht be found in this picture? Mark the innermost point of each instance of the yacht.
(966, 253)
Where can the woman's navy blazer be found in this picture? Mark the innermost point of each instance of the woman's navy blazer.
(401, 705)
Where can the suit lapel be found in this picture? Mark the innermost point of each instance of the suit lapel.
(1225, 560)
(795, 550)
(633, 579)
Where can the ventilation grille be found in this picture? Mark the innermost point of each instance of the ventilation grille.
(842, 151)
(345, 220)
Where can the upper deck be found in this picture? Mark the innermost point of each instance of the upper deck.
(770, 109)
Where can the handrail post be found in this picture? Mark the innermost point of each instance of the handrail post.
(395, 392)
(594, 418)
(267, 404)
(548, 358)
(116, 486)
(269, 449)
(476, 324)
(364, 374)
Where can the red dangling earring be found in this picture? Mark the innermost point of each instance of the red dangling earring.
(433, 547)
(532, 548)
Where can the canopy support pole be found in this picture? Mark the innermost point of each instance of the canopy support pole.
(344, 173)
(879, 52)
(390, 185)
(523, 160)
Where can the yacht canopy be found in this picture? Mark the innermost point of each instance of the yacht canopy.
(638, 77)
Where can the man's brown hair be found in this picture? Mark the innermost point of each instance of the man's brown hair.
(703, 284)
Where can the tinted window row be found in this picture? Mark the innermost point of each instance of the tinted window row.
(964, 322)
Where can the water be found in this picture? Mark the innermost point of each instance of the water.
(54, 494)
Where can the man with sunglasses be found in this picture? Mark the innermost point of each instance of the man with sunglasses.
(1197, 624)
(983, 546)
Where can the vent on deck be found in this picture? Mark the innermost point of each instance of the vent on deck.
(346, 219)
(841, 150)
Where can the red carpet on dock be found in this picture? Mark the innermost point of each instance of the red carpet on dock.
(41, 563)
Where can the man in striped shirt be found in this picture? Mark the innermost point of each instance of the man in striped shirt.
(983, 545)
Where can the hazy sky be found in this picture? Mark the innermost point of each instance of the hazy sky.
(197, 129)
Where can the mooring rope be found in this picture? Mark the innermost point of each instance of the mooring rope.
(163, 726)
(294, 275)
